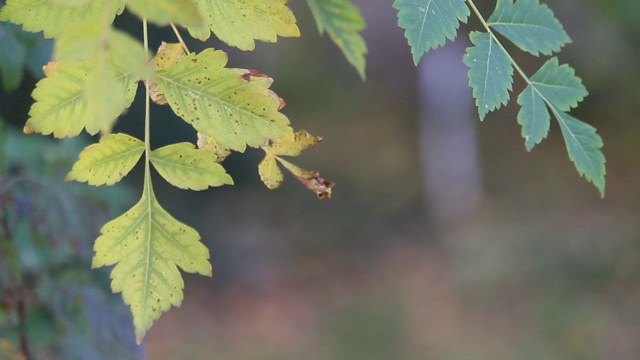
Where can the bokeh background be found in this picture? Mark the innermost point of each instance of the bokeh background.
(517, 258)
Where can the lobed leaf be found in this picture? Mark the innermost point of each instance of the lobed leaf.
(583, 146)
(188, 168)
(147, 245)
(429, 23)
(530, 25)
(107, 162)
(235, 106)
(343, 22)
(490, 72)
(61, 107)
(240, 22)
(559, 85)
(163, 12)
(533, 116)
(52, 17)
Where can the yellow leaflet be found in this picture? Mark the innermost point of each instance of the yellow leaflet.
(188, 168)
(240, 22)
(107, 162)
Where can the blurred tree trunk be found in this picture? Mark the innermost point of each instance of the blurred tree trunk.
(448, 139)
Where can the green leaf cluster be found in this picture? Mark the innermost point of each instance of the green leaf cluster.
(553, 90)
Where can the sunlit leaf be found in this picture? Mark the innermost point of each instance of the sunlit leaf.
(188, 168)
(168, 54)
(147, 245)
(293, 147)
(490, 73)
(107, 162)
(530, 25)
(62, 107)
(209, 143)
(240, 22)
(235, 106)
(343, 22)
(52, 17)
(429, 23)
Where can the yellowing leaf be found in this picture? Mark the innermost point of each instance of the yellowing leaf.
(163, 12)
(310, 179)
(270, 173)
(209, 143)
(302, 141)
(52, 17)
(240, 22)
(107, 162)
(147, 245)
(167, 55)
(235, 106)
(188, 168)
(61, 107)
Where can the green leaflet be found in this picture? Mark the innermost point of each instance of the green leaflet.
(52, 17)
(583, 146)
(240, 22)
(235, 106)
(429, 23)
(490, 73)
(530, 25)
(533, 116)
(559, 85)
(163, 12)
(107, 162)
(188, 168)
(147, 245)
(62, 107)
(343, 22)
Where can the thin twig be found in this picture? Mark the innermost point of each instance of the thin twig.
(184, 45)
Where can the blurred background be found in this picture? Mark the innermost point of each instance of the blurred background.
(444, 238)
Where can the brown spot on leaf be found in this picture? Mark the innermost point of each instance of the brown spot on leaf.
(252, 73)
(315, 183)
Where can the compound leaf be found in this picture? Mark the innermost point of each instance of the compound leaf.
(530, 25)
(62, 107)
(490, 73)
(240, 22)
(429, 23)
(235, 106)
(163, 12)
(147, 245)
(583, 146)
(188, 168)
(343, 22)
(107, 162)
(559, 85)
(52, 17)
(533, 116)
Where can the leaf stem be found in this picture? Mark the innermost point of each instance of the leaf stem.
(184, 45)
(147, 118)
(495, 38)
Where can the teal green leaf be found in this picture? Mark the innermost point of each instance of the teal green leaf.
(107, 162)
(185, 167)
(52, 17)
(583, 146)
(533, 116)
(343, 22)
(235, 106)
(429, 23)
(240, 22)
(13, 55)
(530, 25)
(559, 85)
(163, 12)
(147, 245)
(61, 106)
(490, 73)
